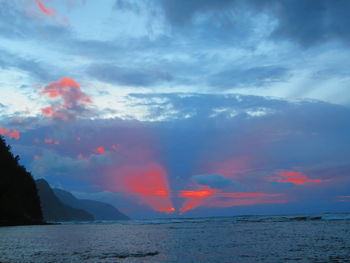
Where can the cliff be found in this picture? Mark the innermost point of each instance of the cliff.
(19, 201)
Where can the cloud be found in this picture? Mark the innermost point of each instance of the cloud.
(244, 150)
(34, 68)
(7, 132)
(14, 134)
(312, 22)
(251, 77)
(215, 181)
(18, 21)
(307, 23)
(141, 76)
(245, 199)
(293, 177)
(4, 131)
(52, 164)
(74, 101)
(44, 9)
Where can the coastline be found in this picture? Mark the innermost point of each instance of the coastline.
(22, 223)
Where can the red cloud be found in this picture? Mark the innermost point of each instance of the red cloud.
(72, 101)
(293, 177)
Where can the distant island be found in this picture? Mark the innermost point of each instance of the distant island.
(24, 201)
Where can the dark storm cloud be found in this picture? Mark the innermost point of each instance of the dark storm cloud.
(306, 22)
(255, 76)
(311, 22)
(127, 76)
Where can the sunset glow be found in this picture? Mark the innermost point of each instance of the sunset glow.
(148, 183)
(195, 198)
(189, 108)
(101, 150)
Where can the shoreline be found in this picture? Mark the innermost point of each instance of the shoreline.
(6, 224)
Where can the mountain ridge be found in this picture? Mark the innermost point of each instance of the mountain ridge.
(54, 210)
(100, 210)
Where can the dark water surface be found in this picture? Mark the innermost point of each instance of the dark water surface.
(248, 239)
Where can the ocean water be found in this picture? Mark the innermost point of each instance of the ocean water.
(246, 239)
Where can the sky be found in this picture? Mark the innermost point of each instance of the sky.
(167, 108)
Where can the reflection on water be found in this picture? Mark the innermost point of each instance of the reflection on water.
(324, 238)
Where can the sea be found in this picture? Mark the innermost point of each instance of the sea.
(321, 238)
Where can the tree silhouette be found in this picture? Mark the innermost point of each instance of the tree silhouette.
(19, 200)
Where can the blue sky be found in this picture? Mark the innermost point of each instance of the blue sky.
(198, 107)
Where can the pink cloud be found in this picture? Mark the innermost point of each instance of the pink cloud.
(14, 135)
(70, 101)
(48, 140)
(293, 177)
(44, 9)
(3, 131)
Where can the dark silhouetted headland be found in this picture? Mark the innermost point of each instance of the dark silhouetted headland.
(19, 201)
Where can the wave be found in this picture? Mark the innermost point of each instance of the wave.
(232, 219)
(247, 218)
(290, 218)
